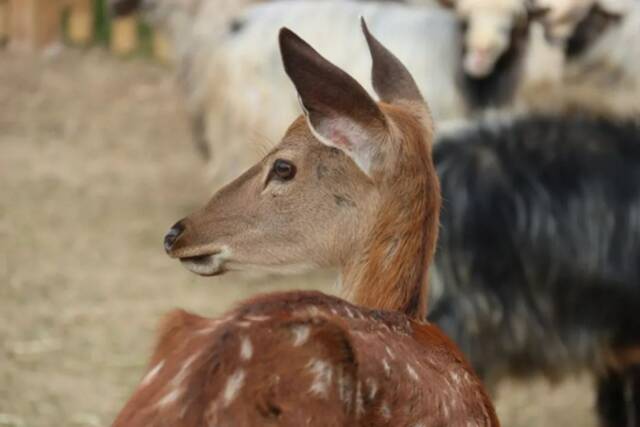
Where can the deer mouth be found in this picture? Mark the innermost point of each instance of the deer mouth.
(205, 265)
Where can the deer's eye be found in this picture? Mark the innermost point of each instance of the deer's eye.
(283, 169)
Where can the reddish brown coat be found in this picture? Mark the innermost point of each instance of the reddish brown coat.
(305, 358)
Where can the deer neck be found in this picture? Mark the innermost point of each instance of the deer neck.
(390, 269)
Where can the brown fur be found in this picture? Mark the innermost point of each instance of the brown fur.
(410, 219)
(385, 370)
(304, 358)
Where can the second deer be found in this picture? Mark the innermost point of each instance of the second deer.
(352, 185)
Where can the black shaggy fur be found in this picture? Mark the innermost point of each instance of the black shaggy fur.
(538, 264)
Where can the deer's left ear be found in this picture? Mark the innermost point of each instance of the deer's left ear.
(339, 110)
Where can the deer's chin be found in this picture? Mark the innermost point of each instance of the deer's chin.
(205, 265)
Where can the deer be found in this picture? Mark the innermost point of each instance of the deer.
(351, 185)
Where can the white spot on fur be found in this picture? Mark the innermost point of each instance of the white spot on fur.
(389, 352)
(212, 326)
(345, 388)
(152, 374)
(387, 368)
(243, 323)
(207, 331)
(373, 388)
(359, 400)
(349, 312)
(455, 377)
(385, 411)
(170, 398)
(184, 370)
(257, 318)
(322, 375)
(300, 334)
(183, 411)
(233, 386)
(412, 372)
(313, 311)
(246, 349)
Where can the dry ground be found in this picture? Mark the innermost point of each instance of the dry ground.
(95, 164)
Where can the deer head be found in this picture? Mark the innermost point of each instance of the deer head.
(351, 185)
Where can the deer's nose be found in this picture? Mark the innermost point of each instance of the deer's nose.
(172, 236)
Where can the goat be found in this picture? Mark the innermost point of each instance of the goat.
(501, 50)
(538, 262)
(352, 184)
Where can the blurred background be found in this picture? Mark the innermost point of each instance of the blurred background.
(117, 119)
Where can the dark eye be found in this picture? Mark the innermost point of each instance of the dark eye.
(283, 170)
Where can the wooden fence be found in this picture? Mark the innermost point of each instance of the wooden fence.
(37, 24)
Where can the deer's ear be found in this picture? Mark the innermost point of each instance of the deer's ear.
(339, 110)
(391, 80)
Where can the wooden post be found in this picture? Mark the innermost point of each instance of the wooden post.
(162, 49)
(4, 21)
(124, 35)
(34, 23)
(81, 22)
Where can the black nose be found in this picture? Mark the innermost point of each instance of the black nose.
(172, 236)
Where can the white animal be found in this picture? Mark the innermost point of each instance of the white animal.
(601, 42)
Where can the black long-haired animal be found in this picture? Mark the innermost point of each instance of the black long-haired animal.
(538, 264)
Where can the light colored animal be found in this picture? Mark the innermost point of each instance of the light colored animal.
(353, 185)
(563, 16)
(491, 27)
(601, 70)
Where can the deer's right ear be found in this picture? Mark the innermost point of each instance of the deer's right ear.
(339, 110)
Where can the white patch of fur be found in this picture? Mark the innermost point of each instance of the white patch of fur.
(207, 331)
(389, 352)
(300, 334)
(412, 372)
(387, 368)
(455, 377)
(184, 371)
(243, 323)
(373, 388)
(152, 374)
(385, 411)
(257, 318)
(233, 386)
(313, 311)
(246, 349)
(345, 388)
(170, 398)
(322, 375)
(349, 312)
(359, 400)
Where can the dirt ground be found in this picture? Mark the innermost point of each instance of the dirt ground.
(95, 164)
